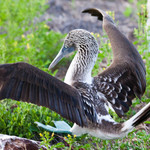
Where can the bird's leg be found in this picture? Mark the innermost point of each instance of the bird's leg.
(61, 127)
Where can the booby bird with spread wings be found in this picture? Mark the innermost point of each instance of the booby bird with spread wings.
(81, 98)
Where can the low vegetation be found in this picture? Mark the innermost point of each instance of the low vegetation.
(23, 38)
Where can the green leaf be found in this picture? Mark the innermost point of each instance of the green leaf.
(147, 122)
(2, 124)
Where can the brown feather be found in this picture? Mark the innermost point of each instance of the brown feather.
(127, 63)
(21, 81)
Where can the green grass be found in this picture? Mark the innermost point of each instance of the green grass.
(128, 11)
(23, 39)
(17, 118)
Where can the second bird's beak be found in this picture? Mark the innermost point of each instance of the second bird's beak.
(62, 53)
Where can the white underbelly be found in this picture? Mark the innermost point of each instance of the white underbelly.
(78, 131)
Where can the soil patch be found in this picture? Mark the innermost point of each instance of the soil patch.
(66, 15)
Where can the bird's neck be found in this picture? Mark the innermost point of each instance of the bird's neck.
(81, 67)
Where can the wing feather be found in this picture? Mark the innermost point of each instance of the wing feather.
(125, 78)
(21, 81)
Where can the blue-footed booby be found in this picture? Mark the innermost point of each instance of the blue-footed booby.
(81, 98)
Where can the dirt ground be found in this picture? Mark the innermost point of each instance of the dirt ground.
(66, 15)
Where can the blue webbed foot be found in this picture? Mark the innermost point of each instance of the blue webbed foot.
(61, 127)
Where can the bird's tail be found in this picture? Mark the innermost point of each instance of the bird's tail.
(109, 130)
(138, 118)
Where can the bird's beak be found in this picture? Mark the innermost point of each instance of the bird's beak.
(62, 53)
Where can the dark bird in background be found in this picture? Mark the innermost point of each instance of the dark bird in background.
(81, 98)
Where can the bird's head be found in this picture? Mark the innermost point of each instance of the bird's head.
(72, 42)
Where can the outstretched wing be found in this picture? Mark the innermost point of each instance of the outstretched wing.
(124, 79)
(21, 81)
